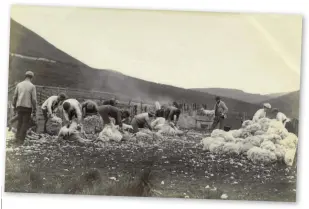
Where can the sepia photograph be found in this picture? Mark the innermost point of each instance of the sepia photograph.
(153, 103)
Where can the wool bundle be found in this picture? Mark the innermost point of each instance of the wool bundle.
(110, 133)
(289, 157)
(263, 141)
(259, 132)
(245, 147)
(252, 128)
(264, 122)
(259, 155)
(255, 140)
(236, 133)
(228, 136)
(280, 152)
(216, 147)
(92, 124)
(54, 125)
(206, 142)
(268, 145)
(232, 148)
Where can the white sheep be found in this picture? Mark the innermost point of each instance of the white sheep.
(110, 132)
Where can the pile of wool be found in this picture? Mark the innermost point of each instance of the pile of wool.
(158, 123)
(259, 155)
(93, 124)
(276, 127)
(54, 125)
(232, 148)
(110, 133)
(264, 141)
(227, 136)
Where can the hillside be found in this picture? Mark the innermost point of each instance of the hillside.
(288, 104)
(239, 94)
(71, 73)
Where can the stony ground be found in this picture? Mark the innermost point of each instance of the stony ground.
(173, 167)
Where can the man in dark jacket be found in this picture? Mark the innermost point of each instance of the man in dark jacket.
(107, 111)
(171, 112)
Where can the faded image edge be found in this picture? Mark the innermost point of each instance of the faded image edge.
(153, 103)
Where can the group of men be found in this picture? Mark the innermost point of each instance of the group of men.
(25, 108)
(269, 112)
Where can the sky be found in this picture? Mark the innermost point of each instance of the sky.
(256, 53)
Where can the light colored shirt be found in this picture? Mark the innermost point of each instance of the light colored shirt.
(75, 105)
(143, 118)
(25, 95)
(282, 118)
(220, 108)
(49, 103)
(259, 114)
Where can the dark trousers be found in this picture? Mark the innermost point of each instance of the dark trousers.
(217, 120)
(24, 119)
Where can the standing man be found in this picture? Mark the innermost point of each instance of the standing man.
(50, 106)
(262, 113)
(220, 113)
(24, 103)
(89, 107)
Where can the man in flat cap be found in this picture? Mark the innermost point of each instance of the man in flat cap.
(24, 103)
(220, 113)
(263, 112)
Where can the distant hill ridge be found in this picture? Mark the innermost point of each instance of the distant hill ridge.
(69, 72)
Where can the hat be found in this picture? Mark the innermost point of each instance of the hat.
(267, 105)
(29, 73)
(218, 98)
(62, 96)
